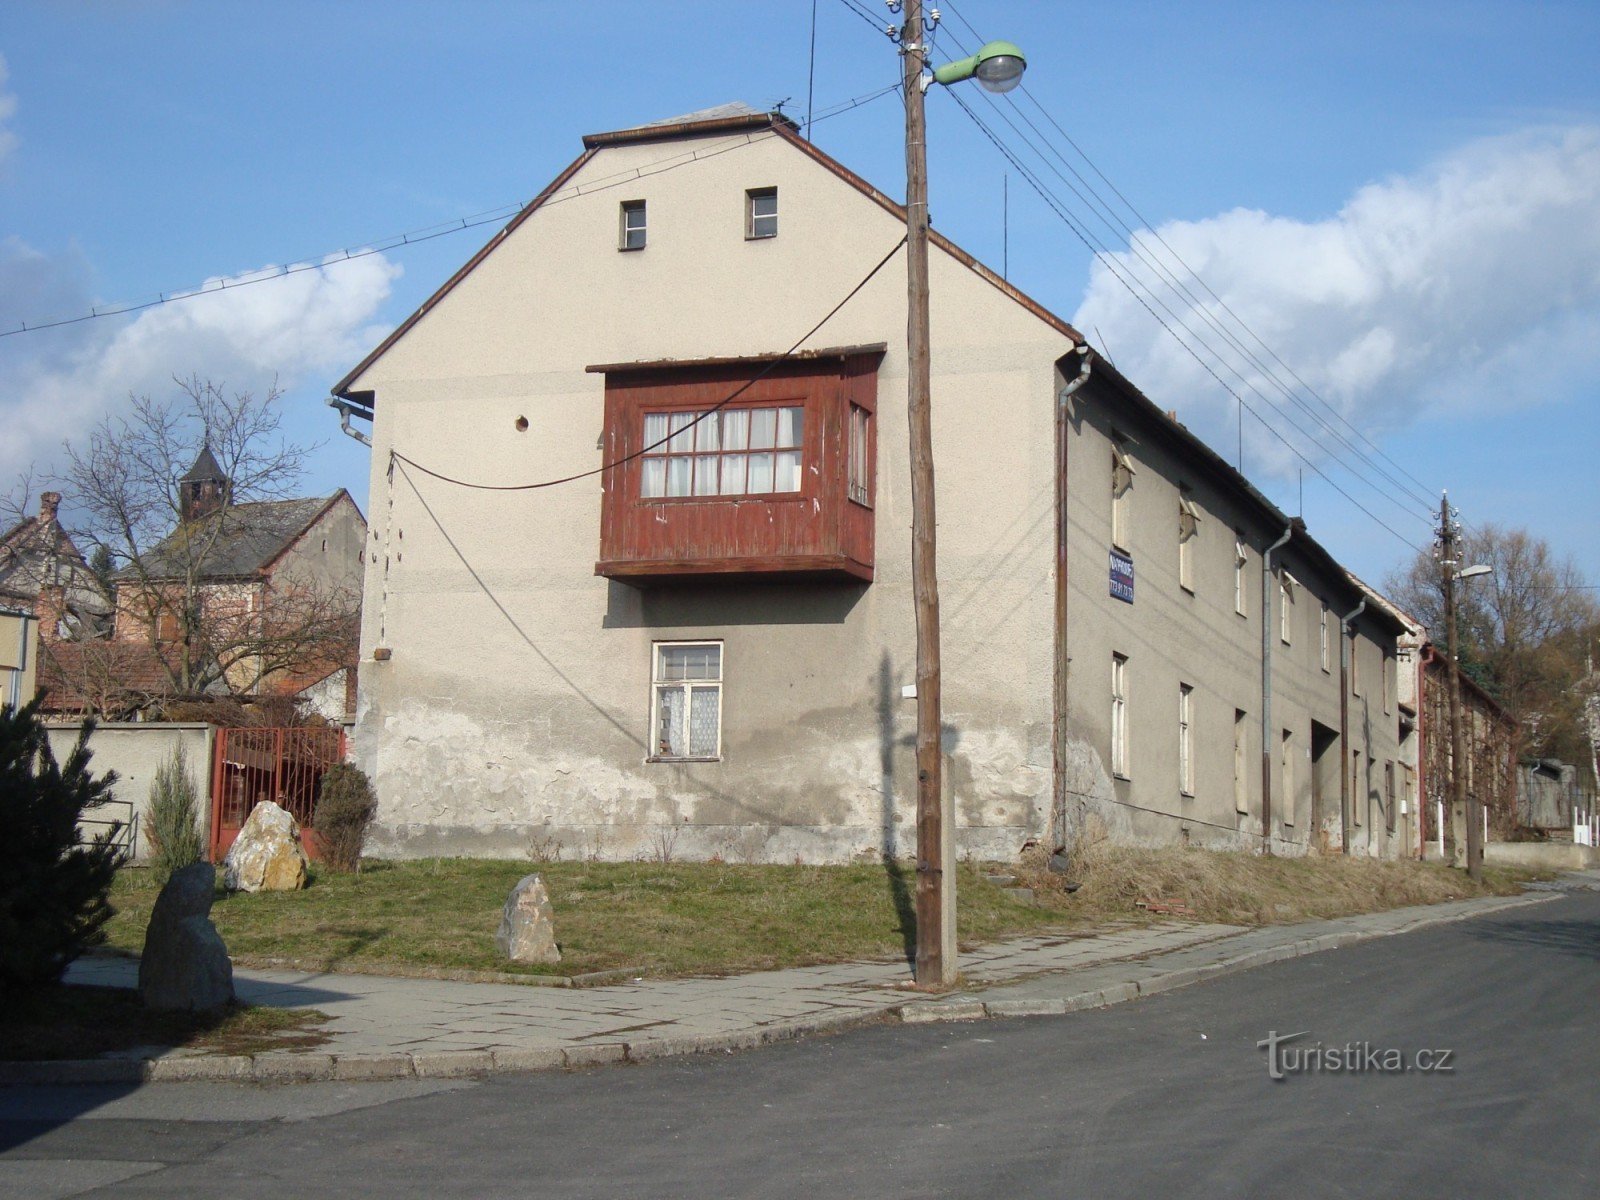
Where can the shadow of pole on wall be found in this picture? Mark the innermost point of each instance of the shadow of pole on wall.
(899, 888)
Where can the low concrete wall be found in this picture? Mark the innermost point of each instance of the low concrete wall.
(1548, 856)
(134, 750)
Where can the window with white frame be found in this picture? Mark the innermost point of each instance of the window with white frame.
(1188, 531)
(1388, 683)
(1355, 664)
(1240, 557)
(734, 452)
(1186, 739)
(1121, 491)
(761, 213)
(1286, 588)
(860, 455)
(1325, 631)
(686, 700)
(631, 221)
(1119, 715)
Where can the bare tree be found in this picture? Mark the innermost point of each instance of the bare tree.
(173, 568)
(1526, 632)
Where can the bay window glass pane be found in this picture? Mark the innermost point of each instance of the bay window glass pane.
(704, 703)
(682, 435)
(705, 475)
(655, 428)
(736, 429)
(669, 722)
(653, 482)
(678, 471)
(760, 473)
(788, 471)
(763, 428)
(789, 427)
(733, 469)
(705, 433)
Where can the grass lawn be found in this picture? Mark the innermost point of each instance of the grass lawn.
(713, 918)
(84, 1022)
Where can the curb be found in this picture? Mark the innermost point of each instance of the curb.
(284, 1067)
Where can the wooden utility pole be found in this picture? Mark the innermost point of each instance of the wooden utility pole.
(1460, 800)
(936, 966)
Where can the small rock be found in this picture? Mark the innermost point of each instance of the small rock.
(527, 932)
(185, 965)
(266, 856)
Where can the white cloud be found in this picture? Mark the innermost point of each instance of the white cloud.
(1473, 285)
(304, 328)
(8, 109)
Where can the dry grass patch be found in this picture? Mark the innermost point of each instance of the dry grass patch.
(673, 919)
(1249, 889)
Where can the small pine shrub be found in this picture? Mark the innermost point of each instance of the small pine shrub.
(174, 817)
(345, 806)
(53, 891)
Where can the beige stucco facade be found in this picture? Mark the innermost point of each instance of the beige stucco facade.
(19, 653)
(505, 689)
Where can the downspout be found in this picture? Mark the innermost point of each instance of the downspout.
(345, 409)
(1346, 809)
(1266, 688)
(1058, 716)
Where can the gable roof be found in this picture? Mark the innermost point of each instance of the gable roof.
(724, 119)
(252, 536)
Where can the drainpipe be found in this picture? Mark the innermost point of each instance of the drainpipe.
(345, 410)
(1266, 688)
(1346, 808)
(1062, 661)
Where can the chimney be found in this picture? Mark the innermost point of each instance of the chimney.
(49, 502)
(51, 610)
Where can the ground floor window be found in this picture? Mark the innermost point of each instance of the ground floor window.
(686, 700)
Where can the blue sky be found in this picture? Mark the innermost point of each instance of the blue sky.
(1401, 199)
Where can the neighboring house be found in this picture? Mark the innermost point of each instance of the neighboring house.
(706, 638)
(43, 572)
(246, 599)
(1491, 739)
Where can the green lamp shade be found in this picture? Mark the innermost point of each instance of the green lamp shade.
(998, 67)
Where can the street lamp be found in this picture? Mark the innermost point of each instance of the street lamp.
(997, 67)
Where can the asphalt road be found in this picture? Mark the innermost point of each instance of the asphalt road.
(1168, 1096)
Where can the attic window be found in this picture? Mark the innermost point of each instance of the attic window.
(761, 213)
(632, 225)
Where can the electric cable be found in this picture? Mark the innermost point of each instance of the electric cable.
(718, 407)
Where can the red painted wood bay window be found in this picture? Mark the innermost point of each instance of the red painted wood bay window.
(740, 467)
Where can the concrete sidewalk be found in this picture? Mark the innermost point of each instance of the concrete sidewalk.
(389, 1028)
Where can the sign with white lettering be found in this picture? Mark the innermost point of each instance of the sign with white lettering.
(1121, 577)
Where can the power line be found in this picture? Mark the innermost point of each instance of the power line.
(1188, 300)
(718, 407)
(1145, 302)
(1426, 494)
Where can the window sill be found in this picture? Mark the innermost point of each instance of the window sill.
(759, 237)
(1121, 778)
(1186, 588)
(1185, 795)
(662, 758)
(629, 249)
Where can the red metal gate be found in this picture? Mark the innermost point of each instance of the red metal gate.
(250, 765)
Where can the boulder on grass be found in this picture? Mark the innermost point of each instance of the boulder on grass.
(266, 856)
(527, 933)
(185, 965)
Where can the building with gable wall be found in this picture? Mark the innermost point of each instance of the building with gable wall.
(703, 639)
